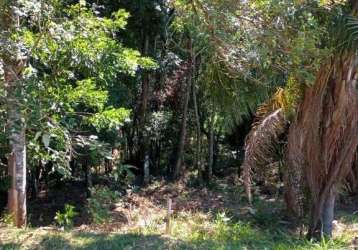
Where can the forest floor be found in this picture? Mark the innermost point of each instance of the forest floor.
(214, 217)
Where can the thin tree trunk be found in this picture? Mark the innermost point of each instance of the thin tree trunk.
(144, 95)
(35, 177)
(211, 148)
(143, 137)
(198, 134)
(88, 178)
(159, 150)
(182, 138)
(146, 178)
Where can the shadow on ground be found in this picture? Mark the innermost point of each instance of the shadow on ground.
(43, 208)
(92, 241)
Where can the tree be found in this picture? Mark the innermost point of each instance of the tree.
(322, 139)
(187, 87)
(59, 62)
(13, 62)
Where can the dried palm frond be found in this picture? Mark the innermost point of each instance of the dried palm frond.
(264, 138)
(278, 101)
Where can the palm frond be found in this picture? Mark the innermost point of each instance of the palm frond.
(346, 31)
(264, 139)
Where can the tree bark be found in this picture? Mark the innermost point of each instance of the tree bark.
(328, 214)
(13, 65)
(17, 161)
(352, 178)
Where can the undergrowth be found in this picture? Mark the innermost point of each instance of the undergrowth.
(231, 226)
(189, 231)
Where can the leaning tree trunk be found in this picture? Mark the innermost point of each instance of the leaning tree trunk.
(323, 140)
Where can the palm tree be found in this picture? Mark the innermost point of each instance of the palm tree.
(322, 139)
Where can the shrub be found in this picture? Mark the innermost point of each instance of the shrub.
(7, 218)
(65, 219)
(100, 202)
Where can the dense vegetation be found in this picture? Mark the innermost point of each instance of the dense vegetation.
(112, 108)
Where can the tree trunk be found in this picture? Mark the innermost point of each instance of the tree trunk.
(328, 214)
(88, 178)
(323, 139)
(211, 148)
(35, 180)
(17, 161)
(182, 138)
(198, 135)
(142, 117)
(13, 65)
(146, 177)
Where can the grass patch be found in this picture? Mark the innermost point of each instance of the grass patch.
(188, 232)
(201, 220)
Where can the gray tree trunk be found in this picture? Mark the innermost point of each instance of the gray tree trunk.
(13, 64)
(17, 160)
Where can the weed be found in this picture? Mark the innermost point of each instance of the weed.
(65, 218)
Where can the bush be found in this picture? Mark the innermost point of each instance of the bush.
(100, 202)
(7, 218)
(65, 219)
